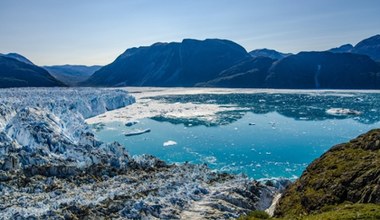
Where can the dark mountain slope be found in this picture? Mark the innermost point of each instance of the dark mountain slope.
(14, 73)
(170, 64)
(317, 70)
(369, 47)
(250, 73)
(18, 57)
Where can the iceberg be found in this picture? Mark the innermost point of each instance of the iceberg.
(137, 132)
(342, 111)
(169, 143)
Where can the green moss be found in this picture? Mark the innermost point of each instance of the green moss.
(255, 215)
(340, 212)
(353, 211)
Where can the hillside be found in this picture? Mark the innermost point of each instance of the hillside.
(14, 73)
(250, 73)
(324, 70)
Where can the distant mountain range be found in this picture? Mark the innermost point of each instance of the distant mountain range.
(72, 74)
(222, 63)
(211, 63)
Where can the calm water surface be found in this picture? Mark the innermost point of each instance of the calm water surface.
(289, 131)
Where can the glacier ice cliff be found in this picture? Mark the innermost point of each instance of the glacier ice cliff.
(52, 166)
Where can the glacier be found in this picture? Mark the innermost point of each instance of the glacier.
(52, 166)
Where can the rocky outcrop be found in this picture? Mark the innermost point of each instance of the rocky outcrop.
(347, 173)
(142, 191)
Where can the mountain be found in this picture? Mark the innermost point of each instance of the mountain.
(15, 73)
(369, 47)
(268, 53)
(347, 175)
(170, 64)
(346, 48)
(71, 74)
(324, 70)
(222, 63)
(18, 57)
(250, 73)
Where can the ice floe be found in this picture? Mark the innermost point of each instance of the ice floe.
(169, 143)
(137, 132)
(342, 111)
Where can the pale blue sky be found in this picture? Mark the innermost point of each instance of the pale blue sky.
(97, 31)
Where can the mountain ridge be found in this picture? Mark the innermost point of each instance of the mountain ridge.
(273, 54)
(224, 63)
(178, 64)
(15, 73)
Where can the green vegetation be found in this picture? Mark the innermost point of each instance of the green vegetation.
(340, 212)
(255, 215)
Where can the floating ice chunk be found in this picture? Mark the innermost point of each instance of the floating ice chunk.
(137, 132)
(342, 111)
(169, 143)
(130, 123)
(210, 159)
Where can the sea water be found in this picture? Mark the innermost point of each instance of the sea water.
(276, 135)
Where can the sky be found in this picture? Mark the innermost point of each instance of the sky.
(52, 32)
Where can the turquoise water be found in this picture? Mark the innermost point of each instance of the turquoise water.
(284, 139)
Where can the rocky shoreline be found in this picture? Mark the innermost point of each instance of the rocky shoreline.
(51, 166)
